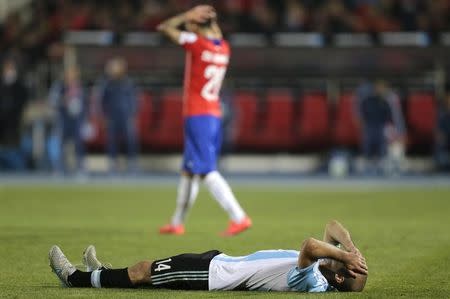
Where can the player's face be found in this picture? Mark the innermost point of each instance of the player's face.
(381, 88)
(71, 75)
(192, 27)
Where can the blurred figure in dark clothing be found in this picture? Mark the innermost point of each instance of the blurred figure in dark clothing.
(295, 17)
(13, 98)
(442, 147)
(375, 115)
(118, 99)
(68, 98)
(334, 17)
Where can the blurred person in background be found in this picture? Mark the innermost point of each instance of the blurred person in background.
(442, 146)
(395, 133)
(68, 99)
(262, 18)
(295, 16)
(117, 95)
(377, 112)
(334, 17)
(13, 98)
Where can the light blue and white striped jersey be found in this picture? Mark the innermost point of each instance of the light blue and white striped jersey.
(266, 270)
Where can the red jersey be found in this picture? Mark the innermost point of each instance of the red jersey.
(206, 65)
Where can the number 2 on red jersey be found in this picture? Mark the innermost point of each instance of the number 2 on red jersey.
(211, 89)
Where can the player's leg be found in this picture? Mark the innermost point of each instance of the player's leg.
(221, 191)
(182, 272)
(132, 145)
(209, 143)
(188, 187)
(112, 143)
(187, 194)
(107, 278)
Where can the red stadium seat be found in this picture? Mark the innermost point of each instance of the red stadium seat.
(246, 106)
(277, 129)
(421, 118)
(169, 129)
(346, 132)
(314, 121)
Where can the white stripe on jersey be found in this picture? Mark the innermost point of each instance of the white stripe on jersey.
(179, 272)
(179, 275)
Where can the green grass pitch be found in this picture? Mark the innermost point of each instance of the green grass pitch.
(403, 233)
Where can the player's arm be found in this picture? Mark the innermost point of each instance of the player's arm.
(335, 233)
(198, 14)
(313, 249)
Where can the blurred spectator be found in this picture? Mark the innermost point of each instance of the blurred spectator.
(407, 12)
(295, 16)
(374, 115)
(233, 15)
(442, 147)
(379, 17)
(118, 99)
(13, 98)
(68, 98)
(262, 18)
(334, 17)
(151, 14)
(436, 17)
(395, 133)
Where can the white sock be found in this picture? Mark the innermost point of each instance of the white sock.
(95, 279)
(187, 193)
(221, 191)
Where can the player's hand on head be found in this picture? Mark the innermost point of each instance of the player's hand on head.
(355, 264)
(201, 13)
(355, 250)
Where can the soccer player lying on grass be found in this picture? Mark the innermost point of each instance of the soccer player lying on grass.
(320, 266)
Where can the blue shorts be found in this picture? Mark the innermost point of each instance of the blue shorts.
(202, 142)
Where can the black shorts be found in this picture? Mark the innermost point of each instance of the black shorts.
(187, 271)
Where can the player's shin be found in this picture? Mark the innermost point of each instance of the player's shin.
(107, 278)
(221, 191)
(187, 193)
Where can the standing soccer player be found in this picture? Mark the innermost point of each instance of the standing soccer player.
(207, 56)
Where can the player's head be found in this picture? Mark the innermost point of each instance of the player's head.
(381, 87)
(338, 277)
(206, 20)
(71, 73)
(116, 68)
(9, 71)
(200, 27)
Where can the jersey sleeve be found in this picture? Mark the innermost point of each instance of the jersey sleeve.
(187, 39)
(308, 279)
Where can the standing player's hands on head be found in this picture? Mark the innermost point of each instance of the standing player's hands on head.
(201, 14)
(355, 264)
(198, 14)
